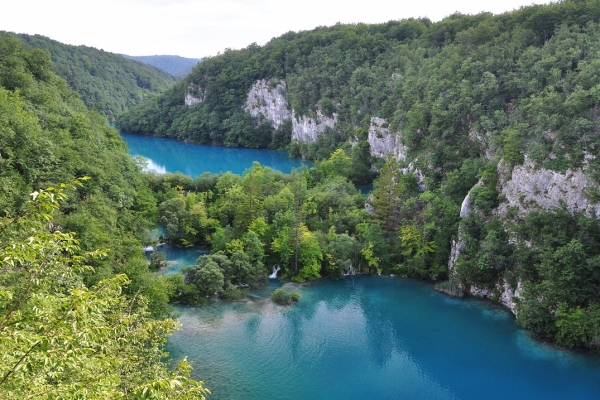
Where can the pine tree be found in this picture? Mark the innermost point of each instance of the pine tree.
(387, 193)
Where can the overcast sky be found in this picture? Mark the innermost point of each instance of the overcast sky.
(197, 28)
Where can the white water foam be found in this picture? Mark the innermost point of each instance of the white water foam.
(276, 269)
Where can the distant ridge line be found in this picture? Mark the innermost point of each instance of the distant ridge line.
(175, 65)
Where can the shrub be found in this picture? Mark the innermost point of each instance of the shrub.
(234, 294)
(449, 288)
(284, 298)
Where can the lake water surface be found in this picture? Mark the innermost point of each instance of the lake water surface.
(171, 155)
(370, 337)
(375, 338)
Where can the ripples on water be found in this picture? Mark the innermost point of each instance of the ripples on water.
(375, 338)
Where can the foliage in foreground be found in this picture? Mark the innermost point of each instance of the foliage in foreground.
(62, 339)
(48, 136)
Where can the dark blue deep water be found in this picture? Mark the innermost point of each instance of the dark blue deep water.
(375, 338)
(170, 155)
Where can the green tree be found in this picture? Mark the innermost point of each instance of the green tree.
(337, 164)
(416, 246)
(340, 252)
(253, 248)
(62, 339)
(171, 214)
(387, 197)
(310, 256)
(208, 278)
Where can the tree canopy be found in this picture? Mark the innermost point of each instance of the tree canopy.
(106, 82)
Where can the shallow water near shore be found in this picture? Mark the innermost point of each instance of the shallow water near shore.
(374, 337)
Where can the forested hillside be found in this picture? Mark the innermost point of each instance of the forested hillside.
(81, 316)
(175, 65)
(484, 130)
(438, 79)
(106, 82)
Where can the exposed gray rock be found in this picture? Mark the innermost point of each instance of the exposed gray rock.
(270, 101)
(484, 142)
(194, 95)
(369, 207)
(459, 244)
(475, 291)
(529, 188)
(508, 295)
(465, 207)
(456, 247)
(418, 173)
(306, 129)
(384, 142)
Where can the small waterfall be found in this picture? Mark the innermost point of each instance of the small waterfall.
(148, 248)
(351, 271)
(276, 269)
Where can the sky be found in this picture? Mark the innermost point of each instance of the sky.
(199, 28)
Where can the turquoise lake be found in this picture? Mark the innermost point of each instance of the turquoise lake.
(374, 338)
(170, 155)
(371, 337)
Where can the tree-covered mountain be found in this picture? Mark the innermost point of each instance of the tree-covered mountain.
(81, 315)
(489, 125)
(175, 65)
(106, 82)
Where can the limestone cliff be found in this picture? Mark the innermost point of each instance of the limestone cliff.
(193, 95)
(306, 129)
(458, 244)
(528, 187)
(268, 99)
(383, 142)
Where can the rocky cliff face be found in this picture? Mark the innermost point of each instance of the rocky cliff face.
(528, 188)
(384, 142)
(306, 129)
(459, 244)
(193, 95)
(269, 100)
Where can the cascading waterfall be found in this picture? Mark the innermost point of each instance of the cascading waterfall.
(276, 269)
(350, 270)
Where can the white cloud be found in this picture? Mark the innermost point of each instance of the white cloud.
(196, 28)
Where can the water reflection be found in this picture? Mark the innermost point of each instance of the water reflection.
(376, 338)
(170, 155)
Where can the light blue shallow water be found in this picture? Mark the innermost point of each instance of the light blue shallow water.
(170, 155)
(375, 338)
(178, 257)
